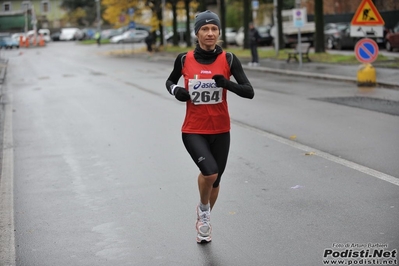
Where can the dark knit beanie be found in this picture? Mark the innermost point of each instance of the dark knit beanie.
(206, 17)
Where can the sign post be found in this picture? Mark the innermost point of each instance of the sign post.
(299, 19)
(367, 22)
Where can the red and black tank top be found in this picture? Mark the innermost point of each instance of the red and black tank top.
(205, 118)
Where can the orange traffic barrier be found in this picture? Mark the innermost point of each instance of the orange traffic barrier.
(27, 42)
(21, 41)
(41, 40)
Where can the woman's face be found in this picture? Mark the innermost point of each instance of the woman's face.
(207, 36)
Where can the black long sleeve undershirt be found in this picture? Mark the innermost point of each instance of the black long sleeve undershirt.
(242, 88)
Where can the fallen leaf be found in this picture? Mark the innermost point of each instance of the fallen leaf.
(310, 153)
(297, 187)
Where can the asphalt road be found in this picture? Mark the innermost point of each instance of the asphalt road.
(101, 176)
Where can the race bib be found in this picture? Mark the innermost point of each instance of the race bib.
(204, 91)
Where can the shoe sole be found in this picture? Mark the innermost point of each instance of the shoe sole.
(203, 240)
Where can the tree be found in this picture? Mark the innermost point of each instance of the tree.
(116, 11)
(80, 12)
(319, 21)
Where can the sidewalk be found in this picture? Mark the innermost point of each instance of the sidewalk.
(386, 77)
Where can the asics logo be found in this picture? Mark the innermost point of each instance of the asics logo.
(204, 85)
(208, 20)
(196, 86)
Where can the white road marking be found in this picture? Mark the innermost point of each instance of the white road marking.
(325, 155)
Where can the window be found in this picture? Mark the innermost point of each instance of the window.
(25, 5)
(45, 6)
(7, 6)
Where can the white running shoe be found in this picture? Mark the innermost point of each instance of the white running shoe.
(250, 64)
(203, 226)
(255, 64)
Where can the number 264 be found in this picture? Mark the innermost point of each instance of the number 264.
(205, 96)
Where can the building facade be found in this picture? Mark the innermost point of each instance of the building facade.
(47, 13)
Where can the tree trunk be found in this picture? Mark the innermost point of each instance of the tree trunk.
(319, 21)
(158, 10)
(223, 22)
(174, 22)
(188, 32)
(247, 12)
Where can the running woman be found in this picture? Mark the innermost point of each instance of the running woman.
(206, 127)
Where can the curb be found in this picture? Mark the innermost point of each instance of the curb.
(318, 76)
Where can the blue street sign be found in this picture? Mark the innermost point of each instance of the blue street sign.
(366, 50)
(132, 25)
(255, 5)
(299, 17)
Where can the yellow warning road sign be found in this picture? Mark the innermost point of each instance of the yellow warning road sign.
(367, 14)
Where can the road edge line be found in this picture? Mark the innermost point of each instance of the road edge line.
(7, 235)
(355, 166)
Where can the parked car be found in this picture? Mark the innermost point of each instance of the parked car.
(181, 32)
(131, 36)
(71, 34)
(266, 38)
(8, 43)
(88, 33)
(231, 34)
(55, 36)
(109, 33)
(392, 38)
(337, 36)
